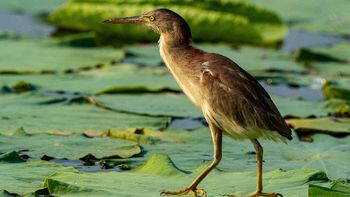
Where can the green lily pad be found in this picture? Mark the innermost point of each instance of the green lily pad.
(151, 104)
(243, 23)
(304, 108)
(10, 157)
(144, 55)
(337, 87)
(146, 135)
(331, 68)
(59, 146)
(27, 177)
(121, 78)
(333, 126)
(179, 106)
(4, 193)
(32, 113)
(336, 90)
(330, 17)
(326, 153)
(256, 59)
(159, 172)
(31, 6)
(338, 51)
(319, 191)
(46, 56)
(306, 56)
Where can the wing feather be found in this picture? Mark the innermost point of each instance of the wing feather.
(234, 95)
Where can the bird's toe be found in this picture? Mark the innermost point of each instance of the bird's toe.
(195, 192)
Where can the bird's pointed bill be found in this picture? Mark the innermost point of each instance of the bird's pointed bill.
(126, 20)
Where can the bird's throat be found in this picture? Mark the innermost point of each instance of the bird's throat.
(176, 58)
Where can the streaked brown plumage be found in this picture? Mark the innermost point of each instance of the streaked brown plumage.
(231, 100)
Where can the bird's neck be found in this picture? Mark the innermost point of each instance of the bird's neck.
(174, 40)
(177, 57)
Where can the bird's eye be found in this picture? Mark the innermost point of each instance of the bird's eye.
(151, 18)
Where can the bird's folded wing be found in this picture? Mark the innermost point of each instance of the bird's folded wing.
(235, 94)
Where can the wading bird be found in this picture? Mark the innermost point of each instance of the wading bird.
(231, 100)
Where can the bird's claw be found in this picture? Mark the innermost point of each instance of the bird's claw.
(196, 192)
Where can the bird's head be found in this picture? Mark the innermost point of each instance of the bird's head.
(167, 23)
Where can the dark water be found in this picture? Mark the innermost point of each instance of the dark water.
(24, 24)
(79, 165)
(300, 39)
(186, 123)
(282, 90)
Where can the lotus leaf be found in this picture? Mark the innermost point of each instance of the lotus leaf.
(31, 6)
(226, 26)
(69, 147)
(329, 16)
(333, 126)
(46, 56)
(121, 78)
(319, 191)
(150, 104)
(26, 177)
(32, 113)
(160, 172)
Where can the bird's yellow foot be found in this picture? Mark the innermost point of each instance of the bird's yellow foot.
(195, 192)
(260, 194)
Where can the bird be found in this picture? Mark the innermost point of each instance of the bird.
(232, 101)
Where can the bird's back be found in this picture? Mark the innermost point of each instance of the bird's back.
(237, 103)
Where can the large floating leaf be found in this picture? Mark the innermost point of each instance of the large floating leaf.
(333, 126)
(10, 157)
(337, 190)
(151, 104)
(26, 111)
(180, 106)
(31, 6)
(46, 56)
(238, 23)
(331, 16)
(331, 68)
(337, 88)
(256, 59)
(303, 108)
(339, 51)
(326, 153)
(123, 78)
(160, 173)
(70, 147)
(146, 135)
(27, 177)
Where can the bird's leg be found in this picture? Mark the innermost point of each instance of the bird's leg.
(216, 134)
(259, 156)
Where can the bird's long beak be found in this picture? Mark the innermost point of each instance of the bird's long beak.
(126, 20)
